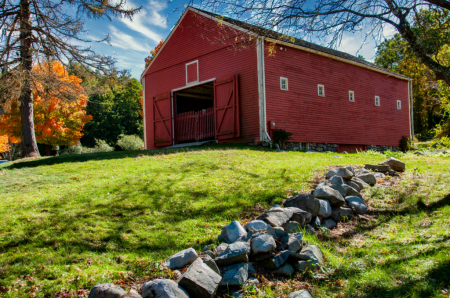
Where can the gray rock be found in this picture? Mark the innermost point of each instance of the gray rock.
(309, 230)
(361, 171)
(329, 223)
(379, 175)
(315, 222)
(233, 232)
(277, 261)
(301, 216)
(339, 188)
(256, 226)
(361, 184)
(246, 238)
(279, 234)
(107, 290)
(181, 259)
(353, 185)
(235, 275)
(295, 242)
(377, 168)
(337, 180)
(285, 270)
(329, 194)
(251, 270)
(210, 262)
(163, 288)
(263, 243)
(300, 294)
(357, 204)
(325, 208)
(132, 294)
(252, 281)
(306, 202)
(221, 248)
(262, 256)
(350, 168)
(368, 178)
(339, 213)
(394, 164)
(346, 174)
(199, 280)
(312, 253)
(350, 191)
(276, 218)
(293, 226)
(235, 253)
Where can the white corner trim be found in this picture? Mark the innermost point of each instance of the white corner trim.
(193, 82)
(411, 110)
(261, 89)
(143, 113)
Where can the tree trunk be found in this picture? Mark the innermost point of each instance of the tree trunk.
(29, 146)
(48, 149)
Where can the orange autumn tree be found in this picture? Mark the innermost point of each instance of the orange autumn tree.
(58, 121)
(153, 53)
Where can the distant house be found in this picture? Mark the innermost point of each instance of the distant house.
(223, 79)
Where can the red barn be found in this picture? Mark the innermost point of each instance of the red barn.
(220, 79)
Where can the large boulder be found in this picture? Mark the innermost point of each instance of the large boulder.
(339, 213)
(339, 188)
(263, 243)
(337, 180)
(279, 234)
(395, 164)
(345, 173)
(377, 168)
(357, 204)
(221, 248)
(235, 253)
(277, 217)
(301, 216)
(353, 185)
(350, 191)
(256, 226)
(300, 294)
(199, 280)
(368, 178)
(210, 262)
(306, 202)
(107, 290)
(181, 259)
(233, 232)
(235, 275)
(329, 194)
(312, 253)
(295, 242)
(163, 288)
(325, 208)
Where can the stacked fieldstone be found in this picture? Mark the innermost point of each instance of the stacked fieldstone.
(272, 241)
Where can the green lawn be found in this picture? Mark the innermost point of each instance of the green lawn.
(68, 223)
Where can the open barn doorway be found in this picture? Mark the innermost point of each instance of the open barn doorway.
(194, 113)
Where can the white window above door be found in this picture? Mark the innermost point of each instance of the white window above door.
(192, 72)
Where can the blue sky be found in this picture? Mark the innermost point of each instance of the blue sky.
(131, 41)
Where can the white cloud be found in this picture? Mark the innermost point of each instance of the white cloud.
(148, 15)
(125, 41)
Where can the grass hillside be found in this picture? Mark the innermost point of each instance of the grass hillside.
(68, 223)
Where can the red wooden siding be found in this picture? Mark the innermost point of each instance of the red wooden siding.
(333, 118)
(191, 72)
(226, 100)
(194, 39)
(195, 125)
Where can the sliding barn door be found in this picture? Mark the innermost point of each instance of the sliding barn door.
(162, 120)
(226, 108)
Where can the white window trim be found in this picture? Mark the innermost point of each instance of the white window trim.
(318, 90)
(281, 85)
(399, 104)
(379, 102)
(193, 82)
(351, 94)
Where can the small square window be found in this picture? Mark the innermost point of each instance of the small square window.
(351, 96)
(283, 83)
(321, 90)
(399, 104)
(377, 101)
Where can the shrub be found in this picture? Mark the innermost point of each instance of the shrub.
(101, 146)
(130, 142)
(280, 136)
(405, 144)
(443, 142)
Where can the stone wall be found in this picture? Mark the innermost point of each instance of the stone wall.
(322, 147)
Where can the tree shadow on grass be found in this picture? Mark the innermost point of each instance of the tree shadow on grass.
(121, 154)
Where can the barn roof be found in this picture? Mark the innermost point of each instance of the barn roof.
(297, 42)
